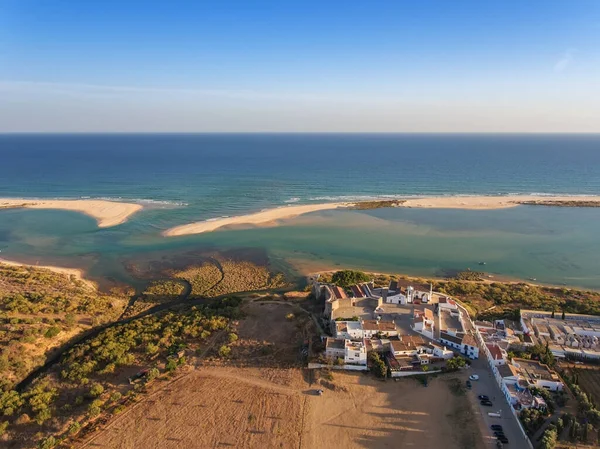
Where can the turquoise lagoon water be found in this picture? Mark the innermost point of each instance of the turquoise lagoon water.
(185, 178)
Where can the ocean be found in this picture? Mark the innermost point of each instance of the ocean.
(182, 178)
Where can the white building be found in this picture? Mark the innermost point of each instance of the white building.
(355, 352)
(498, 355)
(350, 330)
(465, 344)
(447, 303)
(352, 352)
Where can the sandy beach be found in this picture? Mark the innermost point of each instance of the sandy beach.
(489, 202)
(265, 218)
(75, 272)
(272, 217)
(106, 213)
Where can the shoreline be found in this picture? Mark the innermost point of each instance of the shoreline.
(76, 272)
(266, 218)
(106, 213)
(272, 217)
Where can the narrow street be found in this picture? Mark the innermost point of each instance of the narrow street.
(487, 385)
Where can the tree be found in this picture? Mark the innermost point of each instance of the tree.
(377, 365)
(549, 438)
(153, 374)
(346, 278)
(171, 365)
(96, 390)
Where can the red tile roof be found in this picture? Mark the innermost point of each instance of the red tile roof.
(495, 351)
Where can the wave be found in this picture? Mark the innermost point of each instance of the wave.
(348, 198)
(146, 201)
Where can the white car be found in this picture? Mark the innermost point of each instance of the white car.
(473, 377)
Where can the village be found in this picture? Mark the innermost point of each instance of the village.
(414, 331)
(418, 332)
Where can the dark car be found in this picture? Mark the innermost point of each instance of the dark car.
(469, 385)
(503, 440)
(496, 427)
(499, 434)
(483, 397)
(486, 403)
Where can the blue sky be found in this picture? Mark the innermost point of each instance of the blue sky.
(404, 66)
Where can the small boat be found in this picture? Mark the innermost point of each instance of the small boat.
(532, 279)
(481, 263)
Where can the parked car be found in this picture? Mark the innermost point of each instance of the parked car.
(483, 397)
(469, 384)
(497, 427)
(499, 434)
(473, 377)
(486, 403)
(503, 440)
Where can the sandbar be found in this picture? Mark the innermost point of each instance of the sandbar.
(75, 272)
(106, 213)
(268, 217)
(492, 202)
(271, 217)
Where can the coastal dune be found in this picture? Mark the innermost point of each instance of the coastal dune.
(264, 218)
(106, 213)
(271, 217)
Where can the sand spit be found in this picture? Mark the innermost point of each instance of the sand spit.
(106, 213)
(75, 272)
(271, 217)
(495, 202)
(268, 217)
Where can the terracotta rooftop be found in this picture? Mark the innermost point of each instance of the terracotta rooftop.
(468, 339)
(338, 292)
(452, 338)
(495, 351)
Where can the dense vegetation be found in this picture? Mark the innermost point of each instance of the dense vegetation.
(39, 310)
(507, 296)
(346, 278)
(216, 278)
(363, 205)
(470, 275)
(165, 289)
(92, 376)
(30, 290)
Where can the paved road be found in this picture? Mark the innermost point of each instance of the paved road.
(487, 385)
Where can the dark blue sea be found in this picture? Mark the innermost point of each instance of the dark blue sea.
(184, 178)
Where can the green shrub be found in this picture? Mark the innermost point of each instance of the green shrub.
(96, 390)
(74, 428)
(52, 331)
(224, 351)
(346, 278)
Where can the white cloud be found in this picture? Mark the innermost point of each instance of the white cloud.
(565, 61)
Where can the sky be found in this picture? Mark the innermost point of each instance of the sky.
(300, 66)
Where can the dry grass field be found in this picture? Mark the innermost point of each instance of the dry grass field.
(255, 408)
(588, 378)
(240, 404)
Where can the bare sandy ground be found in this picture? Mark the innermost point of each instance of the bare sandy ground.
(273, 217)
(265, 218)
(487, 202)
(75, 272)
(106, 213)
(246, 408)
